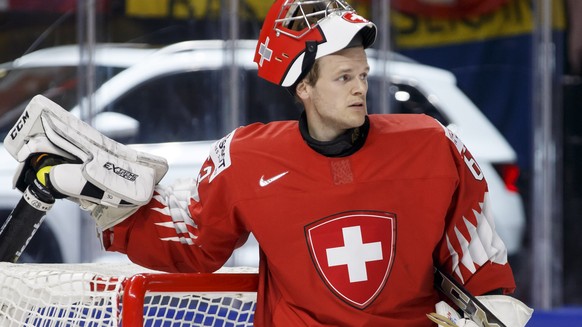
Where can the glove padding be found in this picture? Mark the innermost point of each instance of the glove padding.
(106, 216)
(447, 316)
(97, 169)
(509, 310)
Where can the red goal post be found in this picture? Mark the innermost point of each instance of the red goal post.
(126, 295)
(229, 284)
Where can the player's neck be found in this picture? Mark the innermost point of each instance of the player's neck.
(344, 145)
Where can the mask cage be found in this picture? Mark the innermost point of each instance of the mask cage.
(301, 16)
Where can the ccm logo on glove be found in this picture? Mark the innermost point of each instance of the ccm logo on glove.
(121, 172)
(19, 124)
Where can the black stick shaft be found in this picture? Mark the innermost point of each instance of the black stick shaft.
(459, 295)
(24, 221)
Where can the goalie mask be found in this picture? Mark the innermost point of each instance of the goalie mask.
(297, 32)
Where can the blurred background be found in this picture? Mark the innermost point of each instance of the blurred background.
(518, 61)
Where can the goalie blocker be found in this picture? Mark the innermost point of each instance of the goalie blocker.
(108, 178)
(479, 311)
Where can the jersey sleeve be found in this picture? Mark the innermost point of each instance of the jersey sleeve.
(471, 250)
(186, 227)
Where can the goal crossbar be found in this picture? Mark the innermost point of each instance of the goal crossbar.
(123, 294)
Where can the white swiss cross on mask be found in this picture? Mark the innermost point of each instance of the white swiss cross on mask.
(353, 252)
(265, 52)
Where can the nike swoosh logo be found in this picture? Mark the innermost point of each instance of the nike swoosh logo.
(264, 182)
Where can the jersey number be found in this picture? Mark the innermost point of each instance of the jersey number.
(472, 165)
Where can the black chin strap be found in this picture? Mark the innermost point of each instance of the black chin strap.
(308, 61)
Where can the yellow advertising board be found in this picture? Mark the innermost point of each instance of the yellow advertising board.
(410, 31)
(183, 9)
(204, 8)
(514, 18)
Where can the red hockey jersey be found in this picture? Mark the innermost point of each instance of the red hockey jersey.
(348, 241)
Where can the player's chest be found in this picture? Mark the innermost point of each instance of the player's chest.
(288, 206)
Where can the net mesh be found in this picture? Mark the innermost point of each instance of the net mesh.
(93, 295)
(224, 310)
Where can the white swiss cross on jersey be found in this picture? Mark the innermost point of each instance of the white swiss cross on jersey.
(353, 252)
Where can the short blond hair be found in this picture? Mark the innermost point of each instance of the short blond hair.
(310, 78)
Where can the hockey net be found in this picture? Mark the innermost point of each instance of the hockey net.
(123, 294)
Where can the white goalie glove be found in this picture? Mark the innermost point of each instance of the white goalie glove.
(104, 176)
(509, 310)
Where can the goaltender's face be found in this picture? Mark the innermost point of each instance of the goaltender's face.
(336, 101)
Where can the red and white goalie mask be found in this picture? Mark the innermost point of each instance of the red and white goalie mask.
(297, 32)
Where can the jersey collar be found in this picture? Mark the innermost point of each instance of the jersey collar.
(344, 145)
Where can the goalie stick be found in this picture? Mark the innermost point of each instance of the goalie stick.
(461, 297)
(30, 211)
(24, 221)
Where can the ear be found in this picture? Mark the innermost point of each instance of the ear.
(302, 90)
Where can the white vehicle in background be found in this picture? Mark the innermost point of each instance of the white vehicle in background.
(169, 102)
